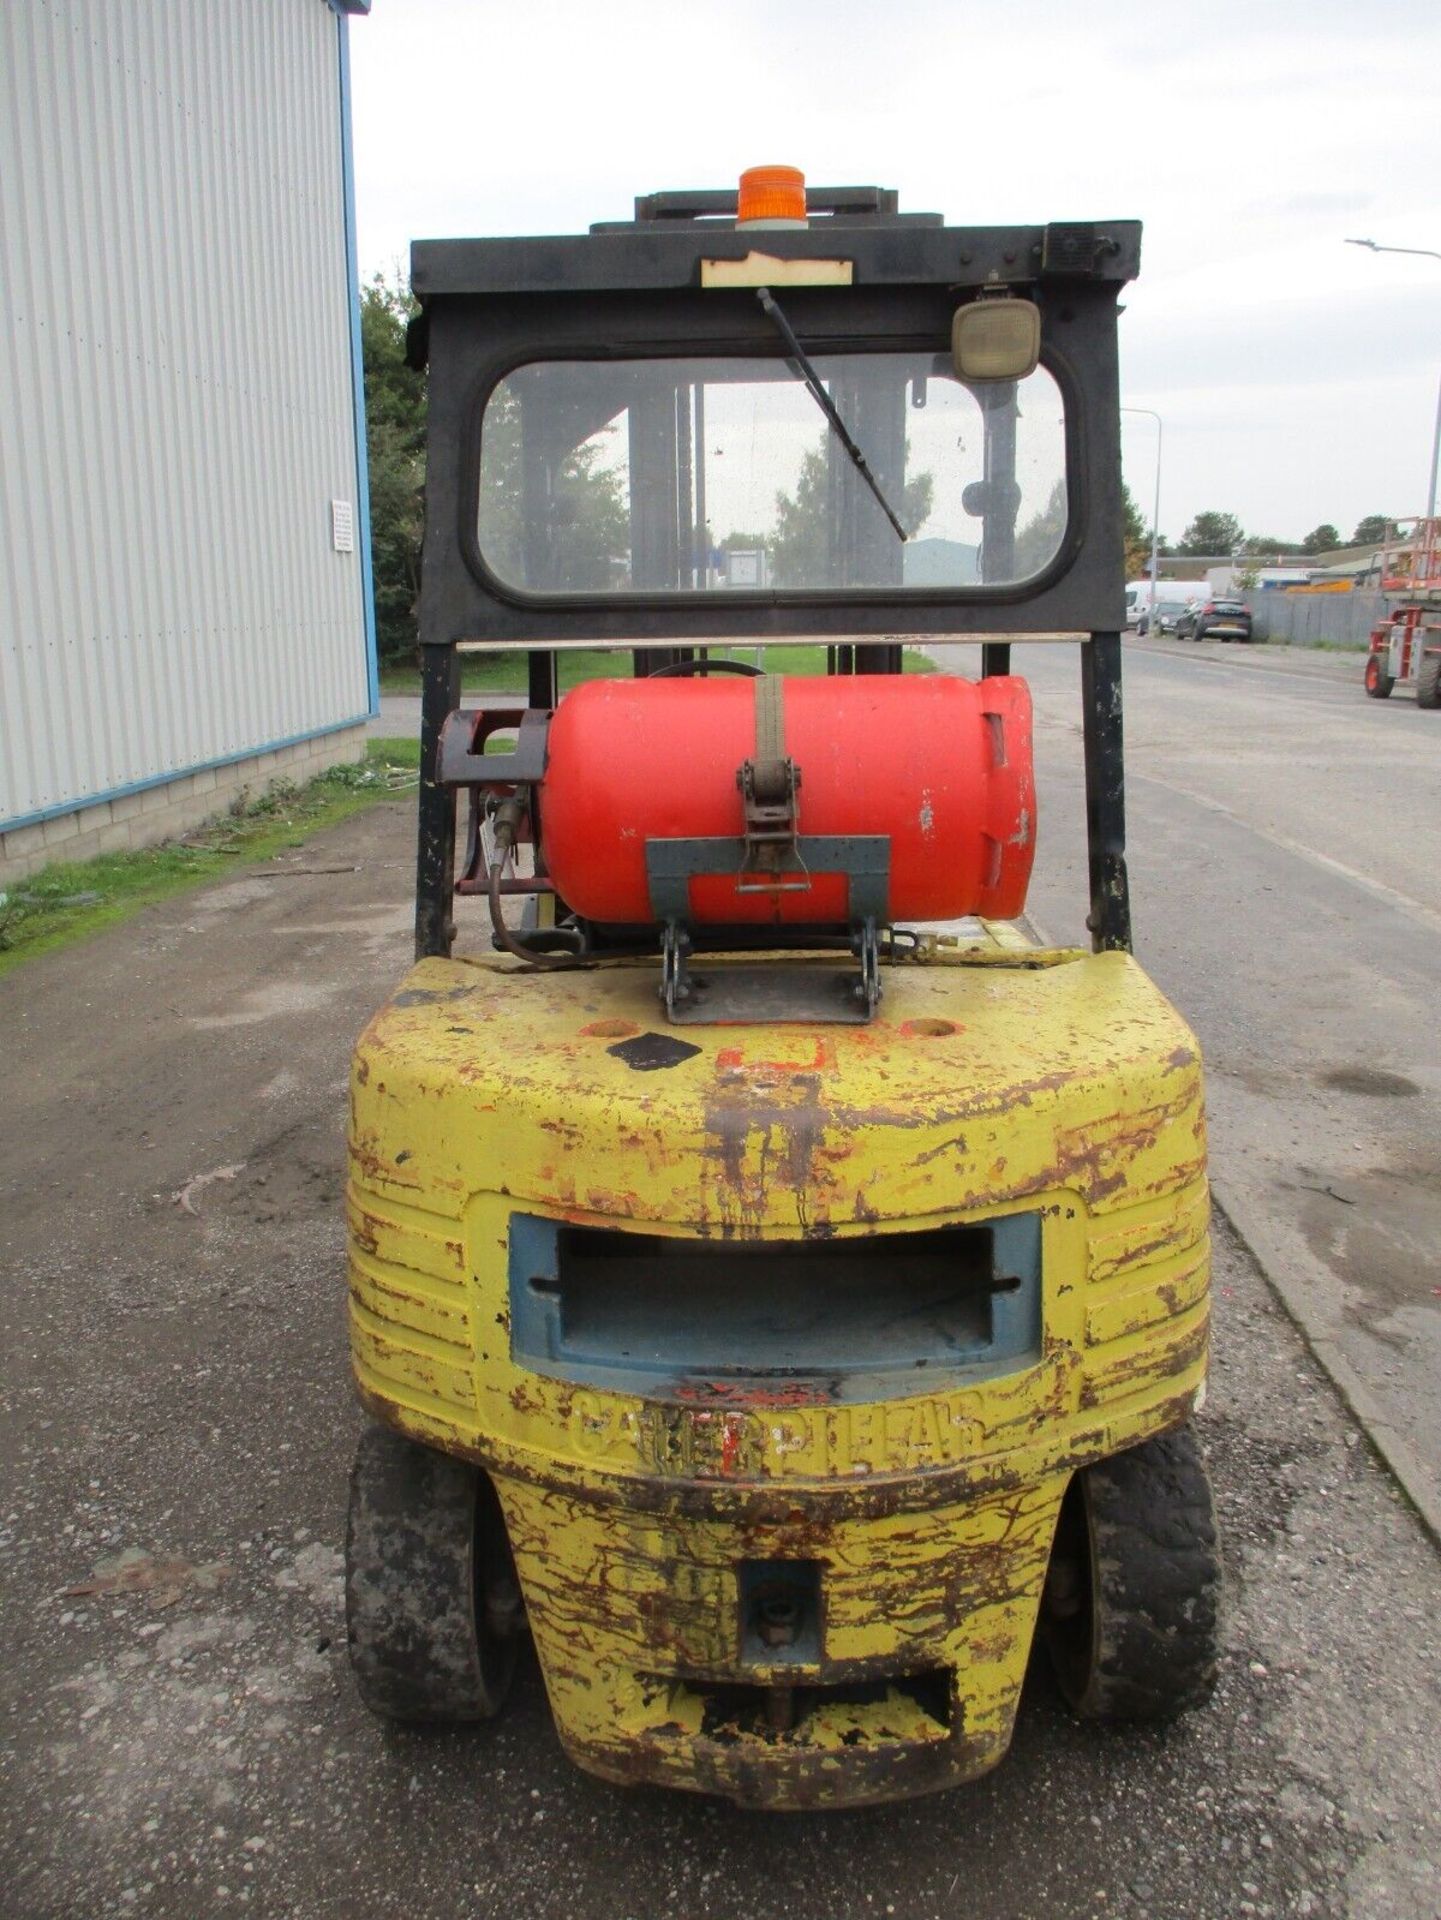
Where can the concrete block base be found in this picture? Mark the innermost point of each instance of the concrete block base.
(160, 813)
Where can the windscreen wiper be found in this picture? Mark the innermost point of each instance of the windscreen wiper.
(827, 406)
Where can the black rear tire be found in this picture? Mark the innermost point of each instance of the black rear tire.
(432, 1606)
(1131, 1608)
(1428, 681)
(1378, 682)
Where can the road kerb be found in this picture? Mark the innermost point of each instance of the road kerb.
(1417, 1481)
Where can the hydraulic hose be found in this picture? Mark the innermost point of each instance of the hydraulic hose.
(507, 818)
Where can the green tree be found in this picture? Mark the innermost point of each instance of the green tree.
(587, 529)
(582, 537)
(918, 496)
(1322, 539)
(395, 456)
(591, 518)
(1212, 533)
(800, 545)
(1259, 545)
(1373, 530)
(1136, 535)
(1037, 540)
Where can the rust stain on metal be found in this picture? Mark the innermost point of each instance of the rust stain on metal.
(955, 1145)
(752, 1143)
(376, 1167)
(614, 1203)
(740, 1392)
(1162, 1354)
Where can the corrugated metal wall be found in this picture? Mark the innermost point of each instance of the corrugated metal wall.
(1316, 619)
(176, 400)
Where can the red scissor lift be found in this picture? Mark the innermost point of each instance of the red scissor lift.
(1406, 641)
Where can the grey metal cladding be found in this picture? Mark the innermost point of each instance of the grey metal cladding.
(178, 406)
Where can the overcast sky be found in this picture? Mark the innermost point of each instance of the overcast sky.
(1296, 376)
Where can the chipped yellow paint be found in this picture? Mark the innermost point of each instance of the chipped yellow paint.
(1061, 1083)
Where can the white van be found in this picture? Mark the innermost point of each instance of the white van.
(1138, 594)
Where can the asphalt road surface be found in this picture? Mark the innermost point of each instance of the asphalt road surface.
(180, 1736)
(1285, 838)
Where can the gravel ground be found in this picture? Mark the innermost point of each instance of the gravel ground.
(180, 1735)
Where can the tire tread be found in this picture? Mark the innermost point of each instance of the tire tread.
(417, 1647)
(1155, 1585)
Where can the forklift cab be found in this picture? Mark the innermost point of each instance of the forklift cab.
(778, 1283)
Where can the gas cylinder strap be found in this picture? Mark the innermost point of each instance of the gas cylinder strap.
(768, 786)
(770, 780)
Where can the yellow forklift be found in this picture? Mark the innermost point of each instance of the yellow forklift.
(779, 1285)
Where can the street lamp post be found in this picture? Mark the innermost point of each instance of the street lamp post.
(1425, 253)
(1155, 515)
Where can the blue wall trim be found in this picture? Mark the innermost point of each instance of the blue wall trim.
(83, 802)
(357, 364)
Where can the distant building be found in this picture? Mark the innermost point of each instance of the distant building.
(1361, 566)
(185, 603)
(933, 562)
(1249, 577)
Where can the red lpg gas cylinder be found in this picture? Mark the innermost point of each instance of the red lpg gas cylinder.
(941, 766)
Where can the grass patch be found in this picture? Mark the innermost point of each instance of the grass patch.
(71, 900)
(505, 671)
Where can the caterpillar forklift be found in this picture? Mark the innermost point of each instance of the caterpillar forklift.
(779, 1285)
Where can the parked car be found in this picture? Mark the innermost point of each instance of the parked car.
(1167, 613)
(1216, 619)
(1138, 595)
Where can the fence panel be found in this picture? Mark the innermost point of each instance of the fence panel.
(1315, 619)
